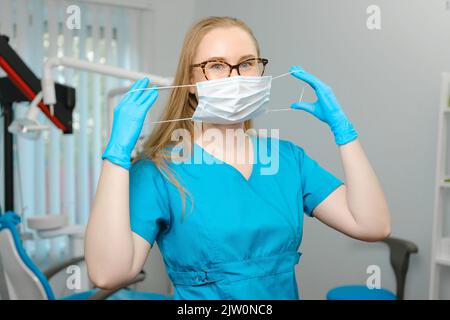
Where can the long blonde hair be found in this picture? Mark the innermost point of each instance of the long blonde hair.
(182, 103)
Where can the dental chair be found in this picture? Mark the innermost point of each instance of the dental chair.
(400, 251)
(20, 278)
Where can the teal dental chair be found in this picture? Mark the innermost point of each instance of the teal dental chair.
(20, 278)
(400, 251)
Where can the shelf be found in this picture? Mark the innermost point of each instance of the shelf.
(445, 184)
(442, 260)
(443, 254)
(441, 245)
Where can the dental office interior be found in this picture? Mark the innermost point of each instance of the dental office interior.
(65, 66)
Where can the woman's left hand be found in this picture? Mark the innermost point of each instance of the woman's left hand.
(326, 108)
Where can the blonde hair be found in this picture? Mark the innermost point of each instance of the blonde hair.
(182, 103)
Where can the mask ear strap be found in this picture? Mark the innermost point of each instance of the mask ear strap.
(284, 74)
(301, 95)
(164, 87)
(289, 109)
(170, 120)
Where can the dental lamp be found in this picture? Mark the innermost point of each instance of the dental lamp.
(29, 127)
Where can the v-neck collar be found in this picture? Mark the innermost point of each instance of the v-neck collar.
(254, 142)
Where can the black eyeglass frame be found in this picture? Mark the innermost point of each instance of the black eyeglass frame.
(236, 66)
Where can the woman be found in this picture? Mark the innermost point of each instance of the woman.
(225, 230)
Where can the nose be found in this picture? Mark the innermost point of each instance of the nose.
(234, 73)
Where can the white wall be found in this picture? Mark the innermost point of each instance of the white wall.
(388, 83)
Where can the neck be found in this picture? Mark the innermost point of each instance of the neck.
(228, 142)
(222, 128)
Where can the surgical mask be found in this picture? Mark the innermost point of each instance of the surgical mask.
(230, 100)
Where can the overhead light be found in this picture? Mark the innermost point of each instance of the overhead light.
(29, 127)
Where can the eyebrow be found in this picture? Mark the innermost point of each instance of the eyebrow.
(247, 56)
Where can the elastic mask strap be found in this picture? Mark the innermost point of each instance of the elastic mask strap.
(193, 85)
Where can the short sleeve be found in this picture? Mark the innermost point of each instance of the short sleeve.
(317, 182)
(149, 204)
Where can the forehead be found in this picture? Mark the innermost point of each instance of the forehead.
(231, 43)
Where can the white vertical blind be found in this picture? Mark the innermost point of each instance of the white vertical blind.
(95, 122)
(40, 182)
(54, 158)
(82, 133)
(68, 172)
(59, 173)
(24, 178)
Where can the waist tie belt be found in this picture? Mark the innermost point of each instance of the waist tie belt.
(237, 270)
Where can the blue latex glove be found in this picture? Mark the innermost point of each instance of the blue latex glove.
(326, 108)
(129, 116)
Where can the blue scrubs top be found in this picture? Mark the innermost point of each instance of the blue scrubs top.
(241, 239)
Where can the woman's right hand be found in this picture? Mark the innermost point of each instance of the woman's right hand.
(129, 116)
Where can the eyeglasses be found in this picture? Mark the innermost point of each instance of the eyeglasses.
(217, 69)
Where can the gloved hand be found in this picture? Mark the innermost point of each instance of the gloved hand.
(326, 108)
(129, 116)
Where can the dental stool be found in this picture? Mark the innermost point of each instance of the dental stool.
(400, 250)
(20, 278)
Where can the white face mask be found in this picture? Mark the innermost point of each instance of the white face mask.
(232, 99)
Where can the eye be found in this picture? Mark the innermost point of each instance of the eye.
(247, 64)
(216, 66)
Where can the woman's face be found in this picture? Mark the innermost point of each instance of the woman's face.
(231, 44)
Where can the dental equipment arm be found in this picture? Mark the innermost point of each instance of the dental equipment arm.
(48, 84)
